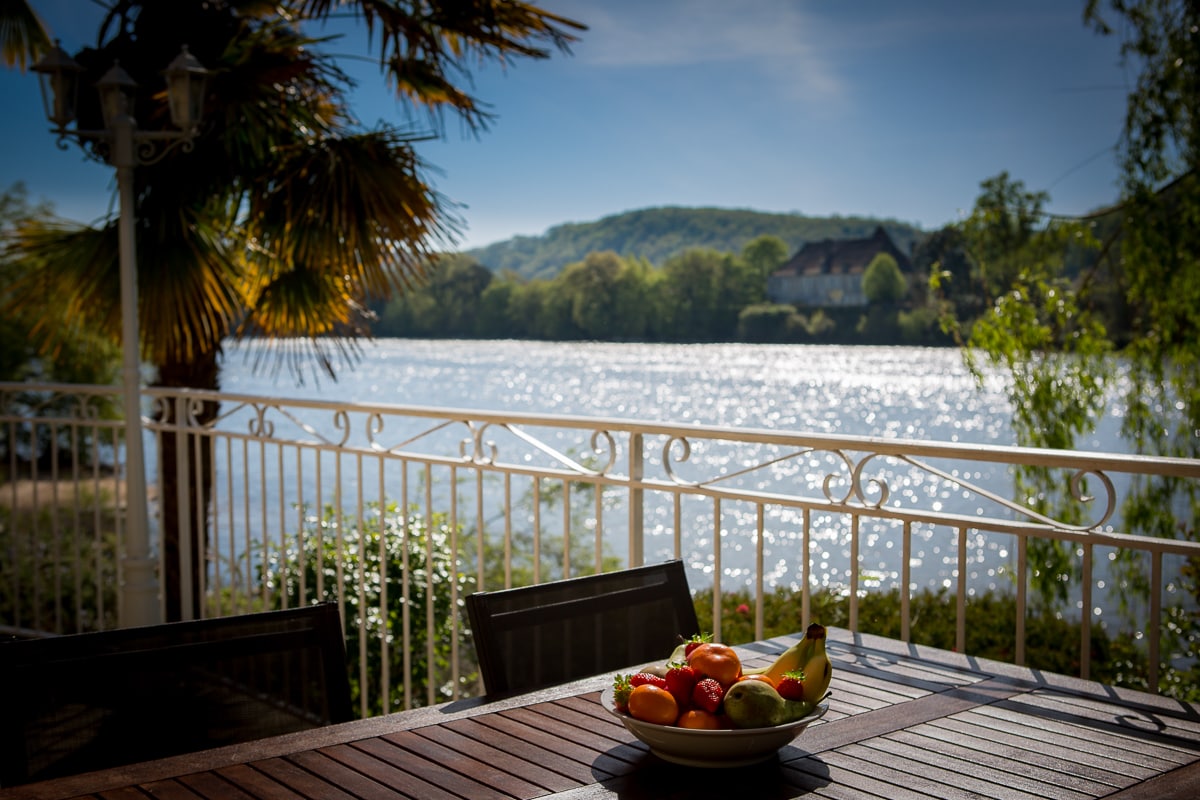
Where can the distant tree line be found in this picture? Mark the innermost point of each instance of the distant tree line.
(699, 295)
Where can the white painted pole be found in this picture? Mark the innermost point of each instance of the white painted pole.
(139, 589)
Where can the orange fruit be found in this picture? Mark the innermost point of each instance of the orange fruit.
(758, 677)
(649, 703)
(698, 718)
(717, 661)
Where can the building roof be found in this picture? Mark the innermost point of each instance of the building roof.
(843, 256)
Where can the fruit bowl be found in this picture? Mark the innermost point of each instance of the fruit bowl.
(704, 748)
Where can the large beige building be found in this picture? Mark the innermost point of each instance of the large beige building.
(830, 272)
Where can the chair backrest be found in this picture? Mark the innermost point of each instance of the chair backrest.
(536, 636)
(89, 701)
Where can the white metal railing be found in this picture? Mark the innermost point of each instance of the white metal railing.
(476, 499)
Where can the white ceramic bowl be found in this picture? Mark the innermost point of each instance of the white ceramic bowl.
(703, 748)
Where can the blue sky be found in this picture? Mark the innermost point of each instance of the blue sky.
(871, 107)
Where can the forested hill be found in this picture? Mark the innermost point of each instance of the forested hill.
(656, 234)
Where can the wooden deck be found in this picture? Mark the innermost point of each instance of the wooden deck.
(904, 722)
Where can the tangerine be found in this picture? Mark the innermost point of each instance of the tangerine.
(650, 703)
(717, 661)
(700, 719)
(759, 677)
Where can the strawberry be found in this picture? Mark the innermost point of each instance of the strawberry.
(791, 685)
(647, 677)
(708, 694)
(681, 679)
(695, 642)
(621, 690)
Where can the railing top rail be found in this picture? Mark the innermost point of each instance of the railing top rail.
(1005, 454)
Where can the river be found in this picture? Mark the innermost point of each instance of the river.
(900, 392)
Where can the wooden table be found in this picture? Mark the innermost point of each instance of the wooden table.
(904, 722)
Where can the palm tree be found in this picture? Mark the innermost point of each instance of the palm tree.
(287, 218)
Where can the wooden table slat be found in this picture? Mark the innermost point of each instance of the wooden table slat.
(413, 754)
(300, 780)
(256, 783)
(377, 769)
(602, 765)
(973, 775)
(573, 772)
(1052, 763)
(1097, 757)
(211, 787)
(1089, 733)
(868, 780)
(533, 775)
(337, 773)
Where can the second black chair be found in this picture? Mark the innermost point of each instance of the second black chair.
(535, 636)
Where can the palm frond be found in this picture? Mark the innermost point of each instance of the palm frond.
(23, 36)
(423, 46)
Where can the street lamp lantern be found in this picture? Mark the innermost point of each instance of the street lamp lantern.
(186, 81)
(185, 77)
(117, 91)
(58, 78)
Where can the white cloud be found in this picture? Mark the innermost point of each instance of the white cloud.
(779, 40)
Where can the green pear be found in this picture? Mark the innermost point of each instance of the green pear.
(756, 704)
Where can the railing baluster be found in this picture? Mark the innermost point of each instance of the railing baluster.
(454, 571)
(360, 520)
(385, 659)
(637, 500)
(1022, 582)
(598, 532)
(960, 627)
(806, 568)
(566, 528)
(1085, 615)
(1154, 626)
(759, 585)
(537, 529)
(431, 680)
(406, 586)
(508, 531)
(854, 572)
(716, 588)
(906, 583)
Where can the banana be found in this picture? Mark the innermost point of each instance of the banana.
(818, 670)
(796, 657)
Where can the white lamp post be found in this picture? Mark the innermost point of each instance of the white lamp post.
(186, 79)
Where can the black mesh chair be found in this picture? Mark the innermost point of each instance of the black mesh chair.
(95, 700)
(536, 636)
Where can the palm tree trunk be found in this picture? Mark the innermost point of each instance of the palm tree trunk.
(201, 372)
